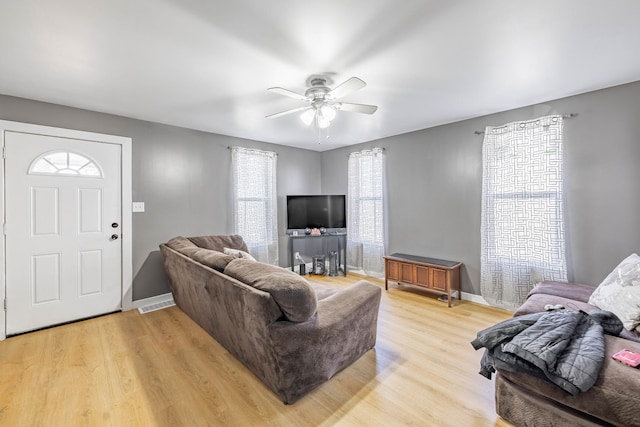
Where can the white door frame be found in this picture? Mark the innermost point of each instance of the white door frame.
(127, 232)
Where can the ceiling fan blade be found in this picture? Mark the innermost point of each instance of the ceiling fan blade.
(286, 112)
(287, 92)
(355, 108)
(346, 87)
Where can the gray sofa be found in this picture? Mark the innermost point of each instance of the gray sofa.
(292, 334)
(526, 400)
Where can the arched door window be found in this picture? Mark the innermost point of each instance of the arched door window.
(65, 163)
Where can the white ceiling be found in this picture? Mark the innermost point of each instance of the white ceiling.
(206, 64)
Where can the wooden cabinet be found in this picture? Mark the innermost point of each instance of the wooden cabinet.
(435, 275)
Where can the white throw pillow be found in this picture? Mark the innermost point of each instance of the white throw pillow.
(237, 253)
(619, 293)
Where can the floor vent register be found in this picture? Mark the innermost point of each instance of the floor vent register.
(157, 306)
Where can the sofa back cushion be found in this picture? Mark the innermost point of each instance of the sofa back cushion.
(292, 293)
(211, 258)
(179, 243)
(219, 242)
(214, 259)
(239, 253)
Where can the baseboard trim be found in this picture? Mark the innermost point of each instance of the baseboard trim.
(474, 298)
(169, 297)
(478, 299)
(152, 300)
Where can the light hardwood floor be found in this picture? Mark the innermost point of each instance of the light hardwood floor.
(161, 369)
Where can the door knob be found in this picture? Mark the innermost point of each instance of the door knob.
(114, 237)
(114, 225)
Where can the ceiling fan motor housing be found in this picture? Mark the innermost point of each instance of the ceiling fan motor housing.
(318, 89)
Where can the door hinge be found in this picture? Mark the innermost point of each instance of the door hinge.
(5, 304)
(4, 228)
(4, 152)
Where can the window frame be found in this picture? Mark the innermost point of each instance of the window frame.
(77, 174)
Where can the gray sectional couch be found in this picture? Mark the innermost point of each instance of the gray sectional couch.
(527, 400)
(292, 334)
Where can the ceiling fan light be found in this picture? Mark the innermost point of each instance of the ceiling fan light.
(328, 112)
(308, 116)
(322, 122)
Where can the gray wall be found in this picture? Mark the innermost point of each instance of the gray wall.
(434, 179)
(434, 182)
(183, 176)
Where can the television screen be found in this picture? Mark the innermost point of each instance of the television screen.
(316, 211)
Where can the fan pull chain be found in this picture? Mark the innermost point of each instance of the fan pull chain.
(319, 133)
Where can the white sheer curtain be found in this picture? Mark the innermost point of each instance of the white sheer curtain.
(522, 222)
(255, 215)
(365, 221)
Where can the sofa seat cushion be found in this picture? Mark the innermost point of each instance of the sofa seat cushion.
(614, 397)
(292, 293)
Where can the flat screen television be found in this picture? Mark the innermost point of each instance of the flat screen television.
(326, 211)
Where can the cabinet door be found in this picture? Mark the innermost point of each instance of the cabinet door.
(392, 270)
(406, 273)
(422, 276)
(438, 279)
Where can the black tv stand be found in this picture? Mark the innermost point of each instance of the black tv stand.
(326, 239)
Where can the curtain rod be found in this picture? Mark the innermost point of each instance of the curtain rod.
(367, 149)
(229, 147)
(564, 116)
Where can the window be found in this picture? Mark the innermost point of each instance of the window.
(65, 163)
(522, 210)
(254, 201)
(365, 221)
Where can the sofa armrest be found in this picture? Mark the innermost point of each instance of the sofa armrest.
(344, 308)
(613, 400)
(570, 290)
(343, 329)
(362, 295)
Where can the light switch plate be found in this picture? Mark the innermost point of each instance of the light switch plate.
(138, 207)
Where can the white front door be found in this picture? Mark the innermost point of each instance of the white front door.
(63, 255)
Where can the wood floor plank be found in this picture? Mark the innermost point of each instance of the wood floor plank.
(161, 369)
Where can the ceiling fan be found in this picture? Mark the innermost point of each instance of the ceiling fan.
(323, 101)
